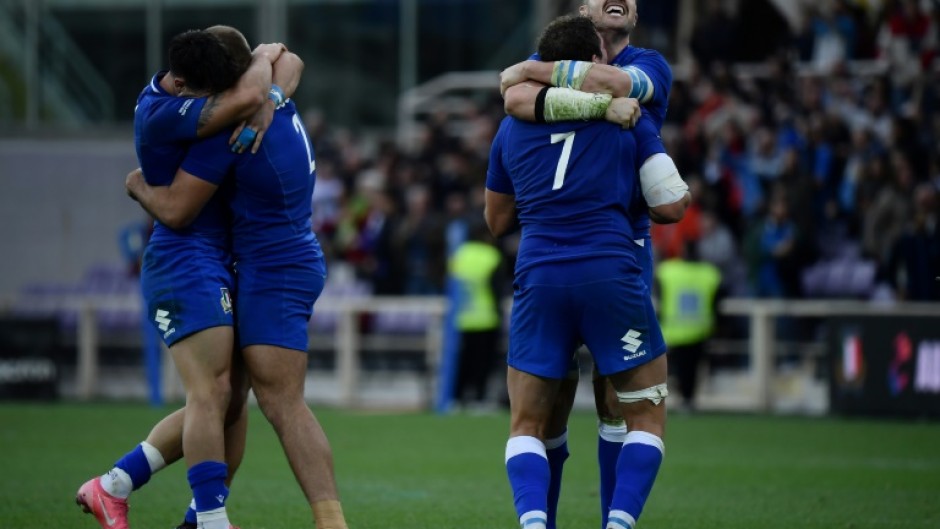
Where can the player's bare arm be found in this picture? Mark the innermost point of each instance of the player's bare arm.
(580, 75)
(245, 98)
(287, 70)
(522, 101)
(175, 205)
(666, 193)
(286, 75)
(670, 213)
(499, 212)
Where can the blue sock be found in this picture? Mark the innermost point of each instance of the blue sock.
(529, 474)
(557, 452)
(637, 467)
(207, 479)
(136, 465)
(190, 516)
(610, 438)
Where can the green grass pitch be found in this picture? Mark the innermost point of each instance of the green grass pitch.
(417, 471)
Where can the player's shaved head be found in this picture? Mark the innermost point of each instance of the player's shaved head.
(570, 37)
(235, 44)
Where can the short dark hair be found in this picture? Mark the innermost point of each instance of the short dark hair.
(235, 44)
(570, 37)
(201, 59)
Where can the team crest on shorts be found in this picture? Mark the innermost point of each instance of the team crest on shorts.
(226, 300)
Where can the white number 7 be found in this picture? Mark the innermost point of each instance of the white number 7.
(568, 138)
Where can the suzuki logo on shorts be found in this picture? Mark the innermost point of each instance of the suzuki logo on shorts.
(631, 341)
(163, 322)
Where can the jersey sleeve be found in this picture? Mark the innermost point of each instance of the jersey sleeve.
(497, 179)
(175, 119)
(648, 140)
(210, 159)
(653, 64)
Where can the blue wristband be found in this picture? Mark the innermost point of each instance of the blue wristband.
(244, 140)
(276, 95)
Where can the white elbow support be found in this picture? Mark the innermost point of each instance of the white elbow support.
(661, 182)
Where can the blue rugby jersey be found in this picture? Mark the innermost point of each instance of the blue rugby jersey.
(655, 66)
(573, 183)
(271, 202)
(164, 127)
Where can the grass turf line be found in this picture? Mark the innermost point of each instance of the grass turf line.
(421, 471)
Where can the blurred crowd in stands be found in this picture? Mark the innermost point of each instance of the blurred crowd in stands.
(815, 172)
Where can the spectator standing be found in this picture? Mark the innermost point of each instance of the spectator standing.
(914, 263)
(688, 291)
(477, 266)
(770, 243)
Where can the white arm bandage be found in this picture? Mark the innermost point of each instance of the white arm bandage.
(661, 182)
(566, 104)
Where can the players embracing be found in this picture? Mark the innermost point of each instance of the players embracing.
(644, 75)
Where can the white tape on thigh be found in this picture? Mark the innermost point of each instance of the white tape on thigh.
(655, 394)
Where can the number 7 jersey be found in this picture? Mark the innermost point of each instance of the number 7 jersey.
(573, 183)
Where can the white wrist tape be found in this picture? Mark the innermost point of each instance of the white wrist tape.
(566, 104)
(661, 182)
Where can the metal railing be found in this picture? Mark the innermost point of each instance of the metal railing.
(348, 339)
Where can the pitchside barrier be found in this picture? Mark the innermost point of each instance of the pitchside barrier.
(878, 358)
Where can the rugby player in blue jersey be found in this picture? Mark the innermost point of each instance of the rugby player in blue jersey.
(280, 272)
(578, 279)
(634, 72)
(186, 277)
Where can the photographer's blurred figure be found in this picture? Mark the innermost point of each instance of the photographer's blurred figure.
(688, 294)
(477, 266)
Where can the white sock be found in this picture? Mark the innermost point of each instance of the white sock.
(117, 483)
(154, 457)
(612, 433)
(620, 520)
(533, 520)
(214, 519)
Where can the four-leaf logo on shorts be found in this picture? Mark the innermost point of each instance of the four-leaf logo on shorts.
(226, 300)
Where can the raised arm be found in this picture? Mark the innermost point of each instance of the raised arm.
(580, 75)
(175, 205)
(538, 103)
(287, 71)
(245, 98)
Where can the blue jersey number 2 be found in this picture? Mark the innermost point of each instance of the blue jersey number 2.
(299, 127)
